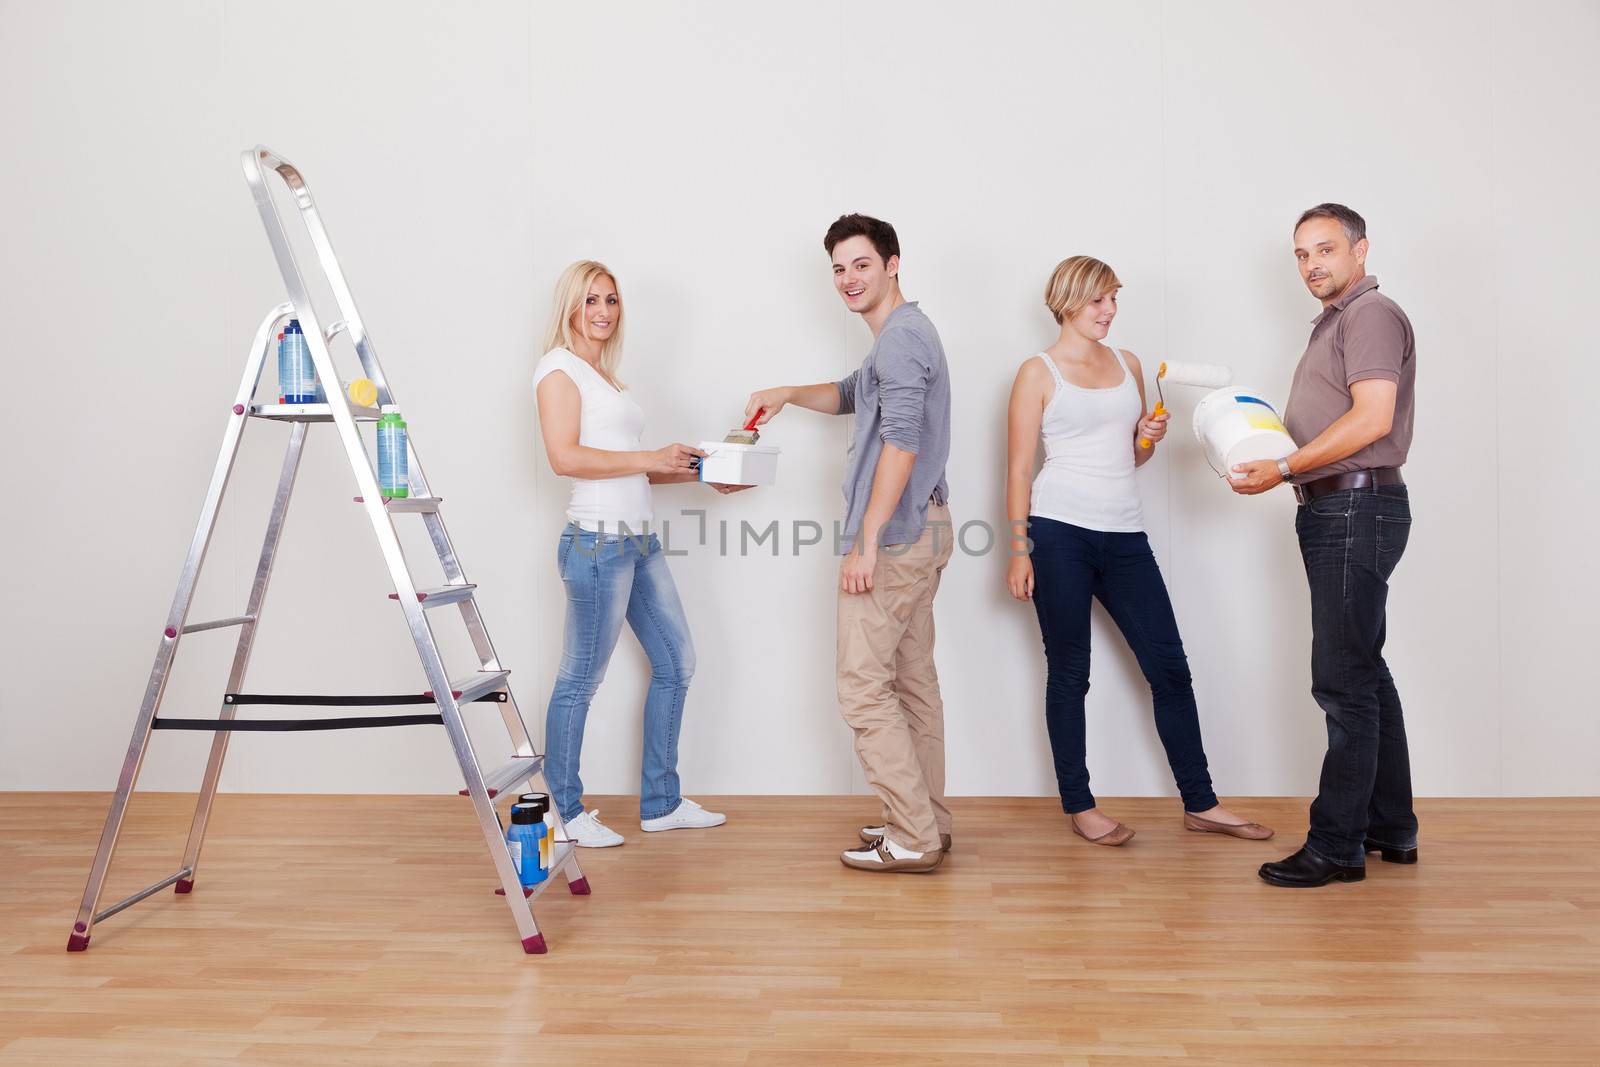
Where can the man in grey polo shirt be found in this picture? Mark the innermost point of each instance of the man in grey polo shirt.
(1352, 403)
(897, 540)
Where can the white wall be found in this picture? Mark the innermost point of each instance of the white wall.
(701, 149)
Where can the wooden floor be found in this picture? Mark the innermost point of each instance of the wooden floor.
(364, 930)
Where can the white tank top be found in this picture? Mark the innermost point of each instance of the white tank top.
(608, 419)
(1087, 478)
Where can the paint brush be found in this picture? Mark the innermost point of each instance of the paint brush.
(747, 436)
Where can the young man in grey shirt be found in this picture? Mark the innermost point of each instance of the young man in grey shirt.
(1352, 403)
(897, 541)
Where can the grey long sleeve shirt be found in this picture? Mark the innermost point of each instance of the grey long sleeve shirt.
(901, 395)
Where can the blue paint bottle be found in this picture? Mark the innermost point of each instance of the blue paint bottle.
(523, 840)
(297, 375)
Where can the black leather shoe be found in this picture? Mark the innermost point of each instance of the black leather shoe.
(1391, 855)
(1305, 869)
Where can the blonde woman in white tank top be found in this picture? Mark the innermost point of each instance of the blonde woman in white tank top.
(613, 569)
(1086, 527)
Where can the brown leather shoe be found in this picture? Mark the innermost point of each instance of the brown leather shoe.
(883, 855)
(1250, 831)
(1117, 835)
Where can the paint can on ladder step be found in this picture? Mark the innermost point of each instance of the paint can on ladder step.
(297, 374)
(394, 473)
(540, 803)
(524, 840)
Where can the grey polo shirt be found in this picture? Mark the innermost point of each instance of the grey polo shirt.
(1361, 335)
(899, 394)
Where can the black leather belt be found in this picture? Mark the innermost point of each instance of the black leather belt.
(1308, 491)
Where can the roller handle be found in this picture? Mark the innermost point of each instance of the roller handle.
(1161, 409)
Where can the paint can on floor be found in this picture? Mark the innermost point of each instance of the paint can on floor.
(1237, 426)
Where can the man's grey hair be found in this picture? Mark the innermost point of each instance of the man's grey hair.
(1355, 227)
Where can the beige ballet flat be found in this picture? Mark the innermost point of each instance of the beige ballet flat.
(1117, 835)
(1250, 831)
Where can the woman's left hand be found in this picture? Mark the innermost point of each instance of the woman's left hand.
(1153, 428)
(726, 489)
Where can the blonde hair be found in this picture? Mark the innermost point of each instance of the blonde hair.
(1075, 282)
(571, 290)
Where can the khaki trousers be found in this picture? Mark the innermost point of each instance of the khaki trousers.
(889, 689)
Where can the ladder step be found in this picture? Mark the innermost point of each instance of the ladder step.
(362, 701)
(442, 595)
(427, 505)
(217, 624)
(309, 412)
(564, 851)
(519, 770)
(474, 685)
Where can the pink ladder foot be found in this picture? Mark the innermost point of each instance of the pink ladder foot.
(579, 887)
(534, 946)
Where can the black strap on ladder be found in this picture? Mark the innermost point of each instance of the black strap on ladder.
(355, 722)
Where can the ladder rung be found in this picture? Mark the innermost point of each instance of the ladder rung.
(564, 851)
(428, 505)
(520, 769)
(309, 412)
(475, 685)
(440, 596)
(307, 700)
(217, 624)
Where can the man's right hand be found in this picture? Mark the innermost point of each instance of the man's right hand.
(673, 459)
(772, 400)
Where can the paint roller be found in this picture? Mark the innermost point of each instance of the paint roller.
(1202, 375)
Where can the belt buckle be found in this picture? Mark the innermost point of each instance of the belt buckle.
(1300, 494)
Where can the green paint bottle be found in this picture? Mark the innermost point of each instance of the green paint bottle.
(393, 469)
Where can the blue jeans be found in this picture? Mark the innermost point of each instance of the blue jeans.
(1071, 567)
(608, 579)
(1351, 542)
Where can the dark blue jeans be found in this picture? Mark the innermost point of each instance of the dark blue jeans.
(1071, 567)
(1351, 542)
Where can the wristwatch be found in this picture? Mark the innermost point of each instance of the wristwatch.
(1284, 472)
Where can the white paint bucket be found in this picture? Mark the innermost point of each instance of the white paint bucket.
(734, 464)
(1237, 426)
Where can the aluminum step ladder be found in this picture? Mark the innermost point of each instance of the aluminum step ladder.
(447, 696)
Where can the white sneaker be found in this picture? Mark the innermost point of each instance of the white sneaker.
(687, 816)
(587, 831)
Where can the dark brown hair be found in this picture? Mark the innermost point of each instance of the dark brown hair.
(884, 240)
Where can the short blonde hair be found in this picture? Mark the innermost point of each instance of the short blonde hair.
(571, 290)
(1075, 282)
